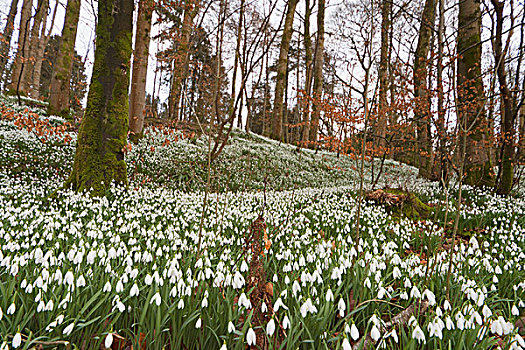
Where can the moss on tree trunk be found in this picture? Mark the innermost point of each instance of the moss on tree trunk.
(99, 157)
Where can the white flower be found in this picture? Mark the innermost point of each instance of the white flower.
(108, 341)
(486, 311)
(341, 306)
(68, 329)
(81, 282)
(430, 296)
(180, 305)
(270, 327)
(11, 309)
(354, 332)
(17, 340)
(449, 323)
(346, 344)
(244, 301)
(156, 298)
(514, 311)
(374, 333)
(231, 327)
(329, 295)
(264, 308)
(69, 278)
(223, 347)
(286, 322)
(134, 290)
(107, 287)
(251, 337)
(419, 335)
(198, 324)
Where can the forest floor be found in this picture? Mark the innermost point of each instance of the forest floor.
(268, 259)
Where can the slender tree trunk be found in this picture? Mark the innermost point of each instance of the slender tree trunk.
(478, 167)
(442, 131)
(37, 71)
(308, 76)
(421, 91)
(137, 98)
(180, 70)
(26, 84)
(23, 44)
(5, 38)
(318, 72)
(507, 131)
(235, 66)
(60, 82)
(381, 122)
(99, 157)
(282, 68)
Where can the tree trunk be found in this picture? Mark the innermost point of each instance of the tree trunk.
(478, 167)
(137, 98)
(60, 81)
(26, 84)
(308, 66)
(282, 68)
(23, 44)
(318, 72)
(381, 122)
(421, 91)
(37, 71)
(99, 157)
(180, 70)
(507, 131)
(5, 38)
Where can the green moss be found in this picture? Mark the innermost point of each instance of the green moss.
(411, 207)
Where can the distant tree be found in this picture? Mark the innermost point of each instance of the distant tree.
(137, 98)
(282, 70)
(22, 53)
(60, 82)
(472, 120)
(318, 72)
(101, 142)
(78, 74)
(5, 37)
(422, 96)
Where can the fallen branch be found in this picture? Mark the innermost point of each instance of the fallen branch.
(399, 320)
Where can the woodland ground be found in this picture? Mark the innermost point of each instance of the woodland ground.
(126, 269)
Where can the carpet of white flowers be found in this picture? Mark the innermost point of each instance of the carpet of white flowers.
(95, 272)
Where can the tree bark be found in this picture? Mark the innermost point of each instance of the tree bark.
(26, 84)
(478, 166)
(137, 98)
(282, 68)
(60, 81)
(5, 41)
(507, 119)
(99, 157)
(37, 71)
(23, 44)
(381, 122)
(318, 72)
(421, 91)
(180, 70)
(308, 66)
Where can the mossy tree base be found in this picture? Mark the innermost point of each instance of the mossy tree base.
(402, 203)
(99, 157)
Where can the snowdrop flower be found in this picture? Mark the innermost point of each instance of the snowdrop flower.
(251, 339)
(278, 304)
(17, 340)
(156, 298)
(264, 308)
(120, 287)
(81, 282)
(204, 302)
(486, 312)
(449, 323)
(374, 333)
(198, 324)
(270, 327)
(180, 305)
(446, 305)
(419, 335)
(134, 290)
(414, 293)
(341, 306)
(224, 347)
(68, 329)
(231, 327)
(329, 295)
(354, 332)
(11, 309)
(286, 322)
(69, 278)
(514, 311)
(107, 287)
(346, 344)
(244, 301)
(108, 341)
(430, 297)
